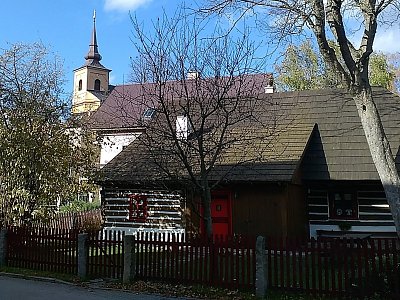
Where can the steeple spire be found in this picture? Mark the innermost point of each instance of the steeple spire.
(93, 57)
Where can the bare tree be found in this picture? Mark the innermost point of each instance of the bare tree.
(204, 91)
(336, 18)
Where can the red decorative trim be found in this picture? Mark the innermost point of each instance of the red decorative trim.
(138, 208)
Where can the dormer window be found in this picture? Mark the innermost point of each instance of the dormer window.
(80, 85)
(97, 85)
(149, 113)
(182, 127)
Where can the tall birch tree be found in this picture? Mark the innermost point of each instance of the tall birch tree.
(335, 19)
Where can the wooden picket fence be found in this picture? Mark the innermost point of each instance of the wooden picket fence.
(340, 267)
(106, 254)
(45, 249)
(227, 262)
(85, 220)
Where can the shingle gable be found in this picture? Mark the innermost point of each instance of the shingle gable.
(338, 149)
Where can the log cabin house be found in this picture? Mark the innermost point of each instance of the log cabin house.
(125, 110)
(316, 177)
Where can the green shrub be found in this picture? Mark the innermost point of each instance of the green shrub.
(79, 205)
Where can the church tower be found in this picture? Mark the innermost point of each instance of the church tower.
(91, 81)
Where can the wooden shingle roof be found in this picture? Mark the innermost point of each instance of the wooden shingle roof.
(338, 149)
(125, 105)
(317, 132)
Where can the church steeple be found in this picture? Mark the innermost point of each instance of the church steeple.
(91, 81)
(93, 57)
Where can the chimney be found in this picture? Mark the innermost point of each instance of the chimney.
(193, 75)
(270, 88)
(182, 127)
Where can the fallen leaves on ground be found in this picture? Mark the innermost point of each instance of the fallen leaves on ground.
(178, 290)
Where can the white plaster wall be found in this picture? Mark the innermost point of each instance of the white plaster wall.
(364, 228)
(113, 144)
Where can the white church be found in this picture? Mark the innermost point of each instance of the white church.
(93, 95)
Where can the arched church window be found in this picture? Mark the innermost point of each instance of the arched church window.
(97, 85)
(80, 85)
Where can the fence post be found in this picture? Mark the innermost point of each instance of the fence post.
(261, 268)
(83, 254)
(129, 259)
(3, 247)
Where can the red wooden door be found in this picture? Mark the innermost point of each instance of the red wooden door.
(221, 212)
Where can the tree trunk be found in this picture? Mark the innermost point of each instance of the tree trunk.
(206, 200)
(380, 150)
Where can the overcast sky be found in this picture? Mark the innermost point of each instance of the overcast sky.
(65, 26)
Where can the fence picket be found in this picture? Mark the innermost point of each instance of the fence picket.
(396, 268)
(287, 261)
(154, 257)
(320, 264)
(314, 266)
(37, 248)
(294, 263)
(301, 263)
(380, 258)
(359, 263)
(203, 263)
(181, 253)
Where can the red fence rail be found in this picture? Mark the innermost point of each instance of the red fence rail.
(84, 220)
(106, 254)
(340, 267)
(45, 249)
(335, 266)
(224, 261)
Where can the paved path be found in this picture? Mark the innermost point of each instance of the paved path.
(26, 289)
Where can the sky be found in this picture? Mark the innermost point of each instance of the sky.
(65, 27)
